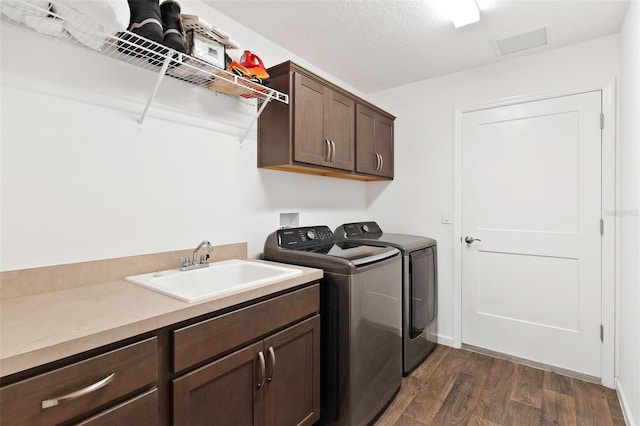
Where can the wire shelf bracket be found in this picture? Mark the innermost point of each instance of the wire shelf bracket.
(262, 107)
(154, 91)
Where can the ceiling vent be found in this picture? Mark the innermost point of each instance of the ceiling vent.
(522, 41)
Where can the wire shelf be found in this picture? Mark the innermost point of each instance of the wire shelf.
(46, 18)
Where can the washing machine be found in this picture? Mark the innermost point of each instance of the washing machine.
(361, 320)
(419, 285)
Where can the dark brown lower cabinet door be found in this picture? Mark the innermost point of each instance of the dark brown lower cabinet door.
(292, 392)
(224, 393)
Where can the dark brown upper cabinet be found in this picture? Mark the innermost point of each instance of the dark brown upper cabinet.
(316, 133)
(375, 142)
(323, 129)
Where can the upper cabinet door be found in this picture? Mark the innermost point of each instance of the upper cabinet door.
(374, 135)
(324, 129)
(340, 129)
(384, 145)
(309, 142)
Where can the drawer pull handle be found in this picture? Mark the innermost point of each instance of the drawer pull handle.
(272, 361)
(80, 392)
(262, 368)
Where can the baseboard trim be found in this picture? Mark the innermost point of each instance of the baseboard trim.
(624, 404)
(442, 340)
(534, 364)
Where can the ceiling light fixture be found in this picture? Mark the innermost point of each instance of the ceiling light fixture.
(462, 12)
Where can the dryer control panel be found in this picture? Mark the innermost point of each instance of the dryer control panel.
(360, 230)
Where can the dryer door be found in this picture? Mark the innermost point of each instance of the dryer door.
(422, 290)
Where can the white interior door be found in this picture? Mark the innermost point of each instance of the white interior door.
(531, 195)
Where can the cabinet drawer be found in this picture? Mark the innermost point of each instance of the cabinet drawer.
(139, 411)
(121, 371)
(204, 340)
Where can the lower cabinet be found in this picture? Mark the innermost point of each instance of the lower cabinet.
(78, 392)
(257, 364)
(271, 382)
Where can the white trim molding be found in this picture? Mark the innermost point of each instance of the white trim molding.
(609, 175)
(624, 404)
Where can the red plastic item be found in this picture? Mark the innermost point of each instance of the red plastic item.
(254, 65)
(250, 60)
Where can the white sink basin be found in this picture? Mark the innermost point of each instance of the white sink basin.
(218, 279)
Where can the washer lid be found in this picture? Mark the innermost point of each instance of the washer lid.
(359, 254)
(316, 246)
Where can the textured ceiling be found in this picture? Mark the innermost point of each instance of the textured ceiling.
(378, 44)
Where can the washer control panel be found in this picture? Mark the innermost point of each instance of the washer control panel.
(303, 237)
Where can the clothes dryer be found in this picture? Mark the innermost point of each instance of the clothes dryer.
(419, 285)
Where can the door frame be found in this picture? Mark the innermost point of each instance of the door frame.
(609, 162)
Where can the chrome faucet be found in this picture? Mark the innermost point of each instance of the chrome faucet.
(187, 264)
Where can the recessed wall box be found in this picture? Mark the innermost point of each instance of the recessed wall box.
(289, 220)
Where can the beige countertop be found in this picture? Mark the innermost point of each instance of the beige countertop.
(39, 328)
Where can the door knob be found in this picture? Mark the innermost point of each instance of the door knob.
(470, 240)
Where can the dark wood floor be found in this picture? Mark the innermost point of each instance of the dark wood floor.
(459, 387)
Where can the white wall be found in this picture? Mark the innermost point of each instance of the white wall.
(423, 184)
(80, 180)
(629, 218)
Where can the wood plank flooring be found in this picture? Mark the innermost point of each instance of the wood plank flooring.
(459, 387)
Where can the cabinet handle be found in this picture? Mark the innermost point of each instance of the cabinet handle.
(381, 162)
(377, 162)
(272, 361)
(328, 156)
(333, 155)
(80, 392)
(262, 368)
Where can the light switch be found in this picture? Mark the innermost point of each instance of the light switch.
(447, 216)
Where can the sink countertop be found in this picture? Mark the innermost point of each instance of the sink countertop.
(41, 328)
